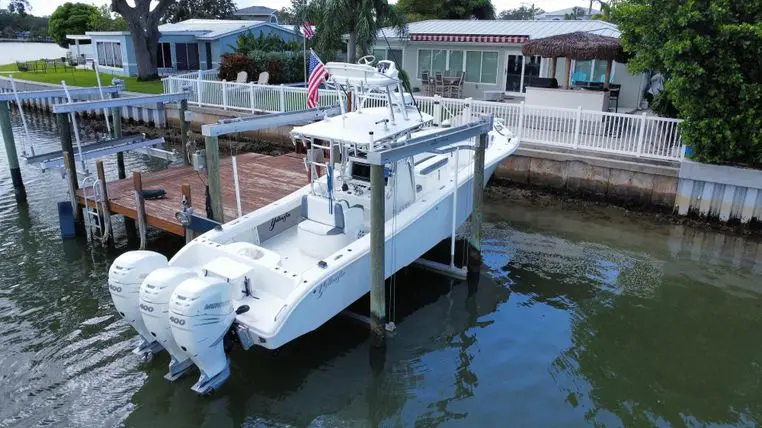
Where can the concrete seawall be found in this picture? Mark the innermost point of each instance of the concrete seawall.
(642, 183)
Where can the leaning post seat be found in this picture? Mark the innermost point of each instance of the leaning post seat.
(325, 231)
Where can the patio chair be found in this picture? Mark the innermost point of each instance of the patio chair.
(242, 77)
(264, 78)
(426, 83)
(438, 83)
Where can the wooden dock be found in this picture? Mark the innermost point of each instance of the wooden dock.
(263, 179)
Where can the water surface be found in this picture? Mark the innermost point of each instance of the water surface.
(582, 316)
(11, 52)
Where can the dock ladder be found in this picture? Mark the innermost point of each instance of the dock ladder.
(91, 192)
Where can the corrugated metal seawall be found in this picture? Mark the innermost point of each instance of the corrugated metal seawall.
(144, 114)
(727, 193)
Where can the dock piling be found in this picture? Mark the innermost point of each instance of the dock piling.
(116, 113)
(184, 128)
(106, 213)
(71, 171)
(10, 151)
(140, 207)
(377, 259)
(474, 240)
(187, 202)
(213, 176)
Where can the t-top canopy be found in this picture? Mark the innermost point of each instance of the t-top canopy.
(356, 127)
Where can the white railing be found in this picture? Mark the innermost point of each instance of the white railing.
(576, 129)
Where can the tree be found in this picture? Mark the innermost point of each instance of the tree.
(576, 13)
(105, 21)
(710, 52)
(360, 19)
(418, 10)
(19, 6)
(70, 18)
(522, 13)
(605, 14)
(202, 9)
(144, 29)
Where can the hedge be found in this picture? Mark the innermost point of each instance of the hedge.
(283, 67)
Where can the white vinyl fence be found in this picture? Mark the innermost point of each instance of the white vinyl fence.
(618, 133)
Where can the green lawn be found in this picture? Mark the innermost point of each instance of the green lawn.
(80, 77)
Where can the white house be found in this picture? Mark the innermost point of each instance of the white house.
(489, 52)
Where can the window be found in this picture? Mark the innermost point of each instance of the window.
(186, 55)
(164, 56)
(455, 63)
(109, 54)
(449, 63)
(590, 71)
(481, 67)
(581, 71)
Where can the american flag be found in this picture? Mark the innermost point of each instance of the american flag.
(317, 77)
(307, 30)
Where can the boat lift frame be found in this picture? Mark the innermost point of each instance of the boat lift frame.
(212, 132)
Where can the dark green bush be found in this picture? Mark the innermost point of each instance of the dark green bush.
(283, 67)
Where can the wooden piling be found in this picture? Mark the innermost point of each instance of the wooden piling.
(140, 207)
(377, 262)
(116, 114)
(474, 240)
(71, 171)
(10, 151)
(184, 129)
(105, 212)
(213, 176)
(188, 201)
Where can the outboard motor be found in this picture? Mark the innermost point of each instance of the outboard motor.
(200, 315)
(125, 276)
(155, 293)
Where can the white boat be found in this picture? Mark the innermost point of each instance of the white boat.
(275, 274)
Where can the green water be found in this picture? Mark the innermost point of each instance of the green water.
(581, 317)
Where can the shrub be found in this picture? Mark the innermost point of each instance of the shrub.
(283, 67)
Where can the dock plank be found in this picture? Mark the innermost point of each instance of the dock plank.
(263, 179)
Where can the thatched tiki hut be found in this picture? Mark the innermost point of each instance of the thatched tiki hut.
(579, 46)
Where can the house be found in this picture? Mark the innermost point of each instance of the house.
(258, 13)
(560, 15)
(489, 52)
(195, 44)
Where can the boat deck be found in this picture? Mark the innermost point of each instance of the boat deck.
(263, 179)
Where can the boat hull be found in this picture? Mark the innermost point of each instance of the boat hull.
(346, 282)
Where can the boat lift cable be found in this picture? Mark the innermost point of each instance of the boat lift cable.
(28, 140)
(100, 90)
(76, 128)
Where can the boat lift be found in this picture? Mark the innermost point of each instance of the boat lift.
(212, 132)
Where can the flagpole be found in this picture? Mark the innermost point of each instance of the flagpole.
(304, 39)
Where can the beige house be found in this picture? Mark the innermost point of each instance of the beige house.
(489, 52)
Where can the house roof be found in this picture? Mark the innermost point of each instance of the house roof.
(255, 10)
(210, 29)
(532, 29)
(563, 12)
